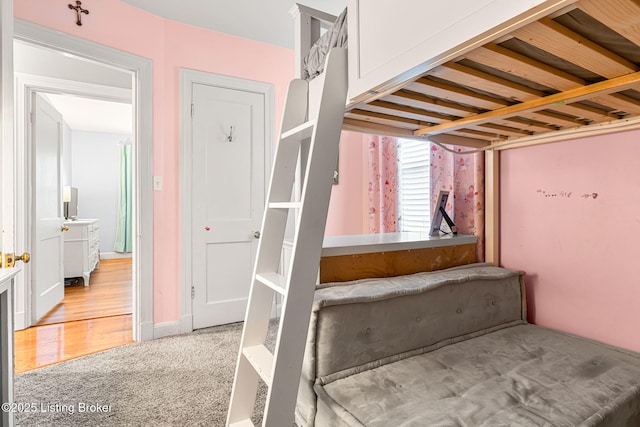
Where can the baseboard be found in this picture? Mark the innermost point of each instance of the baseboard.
(146, 331)
(167, 329)
(115, 255)
(19, 321)
(186, 323)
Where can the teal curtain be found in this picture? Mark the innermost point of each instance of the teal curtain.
(123, 223)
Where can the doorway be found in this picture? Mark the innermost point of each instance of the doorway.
(88, 107)
(140, 76)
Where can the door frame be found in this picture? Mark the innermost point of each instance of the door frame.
(26, 86)
(187, 79)
(143, 327)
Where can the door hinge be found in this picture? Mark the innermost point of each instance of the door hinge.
(193, 109)
(193, 292)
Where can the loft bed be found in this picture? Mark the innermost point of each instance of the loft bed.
(416, 69)
(552, 69)
(499, 75)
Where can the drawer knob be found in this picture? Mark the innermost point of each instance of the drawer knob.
(64, 228)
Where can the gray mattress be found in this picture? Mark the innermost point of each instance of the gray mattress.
(336, 36)
(523, 375)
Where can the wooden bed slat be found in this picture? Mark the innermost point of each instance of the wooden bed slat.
(480, 134)
(418, 100)
(519, 65)
(502, 130)
(526, 124)
(573, 95)
(619, 101)
(459, 74)
(619, 15)
(584, 112)
(390, 117)
(467, 76)
(487, 139)
(552, 37)
(385, 119)
(461, 139)
(405, 111)
(552, 118)
(455, 93)
(511, 62)
(488, 131)
(375, 128)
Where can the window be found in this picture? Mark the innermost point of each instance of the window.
(414, 193)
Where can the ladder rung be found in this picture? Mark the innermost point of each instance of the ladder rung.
(243, 423)
(275, 281)
(285, 205)
(262, 361)
(299, 132)
(280, 369)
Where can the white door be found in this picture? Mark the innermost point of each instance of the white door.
(47, 281)
(228, 137)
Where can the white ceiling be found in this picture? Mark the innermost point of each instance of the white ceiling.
(92, 115)
(267, 21)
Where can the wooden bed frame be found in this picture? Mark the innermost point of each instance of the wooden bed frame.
(560, 70)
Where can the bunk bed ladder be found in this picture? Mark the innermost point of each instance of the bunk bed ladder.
(317, 138)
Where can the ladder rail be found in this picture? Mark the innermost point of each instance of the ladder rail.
(318, 140)
(307, 248)
(246, 379)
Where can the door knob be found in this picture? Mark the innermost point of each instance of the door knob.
(256, 234)
(25, 257)
(64, 228)
(9, 260)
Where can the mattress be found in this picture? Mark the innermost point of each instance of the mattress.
(523, 375)
(336, 36)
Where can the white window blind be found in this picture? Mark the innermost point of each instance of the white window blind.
(414, 198)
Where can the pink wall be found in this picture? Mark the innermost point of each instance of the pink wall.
(348, 207)
(170, 46)
(570, 218)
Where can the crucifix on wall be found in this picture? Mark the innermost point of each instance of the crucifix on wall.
(79, 11)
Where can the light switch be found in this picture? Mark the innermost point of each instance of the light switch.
(157, 183)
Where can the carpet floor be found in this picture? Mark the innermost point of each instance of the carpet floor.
(175, 381)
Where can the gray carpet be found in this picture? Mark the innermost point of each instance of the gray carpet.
(175, 381)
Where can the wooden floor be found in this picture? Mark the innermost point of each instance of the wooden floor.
(109, 294)
(88, 320)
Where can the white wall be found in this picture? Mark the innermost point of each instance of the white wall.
(96, 174)
(66, 154)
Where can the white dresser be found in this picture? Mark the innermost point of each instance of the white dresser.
(81, 243)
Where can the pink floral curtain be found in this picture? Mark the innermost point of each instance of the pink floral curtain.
(383, 184)
(463, 176)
